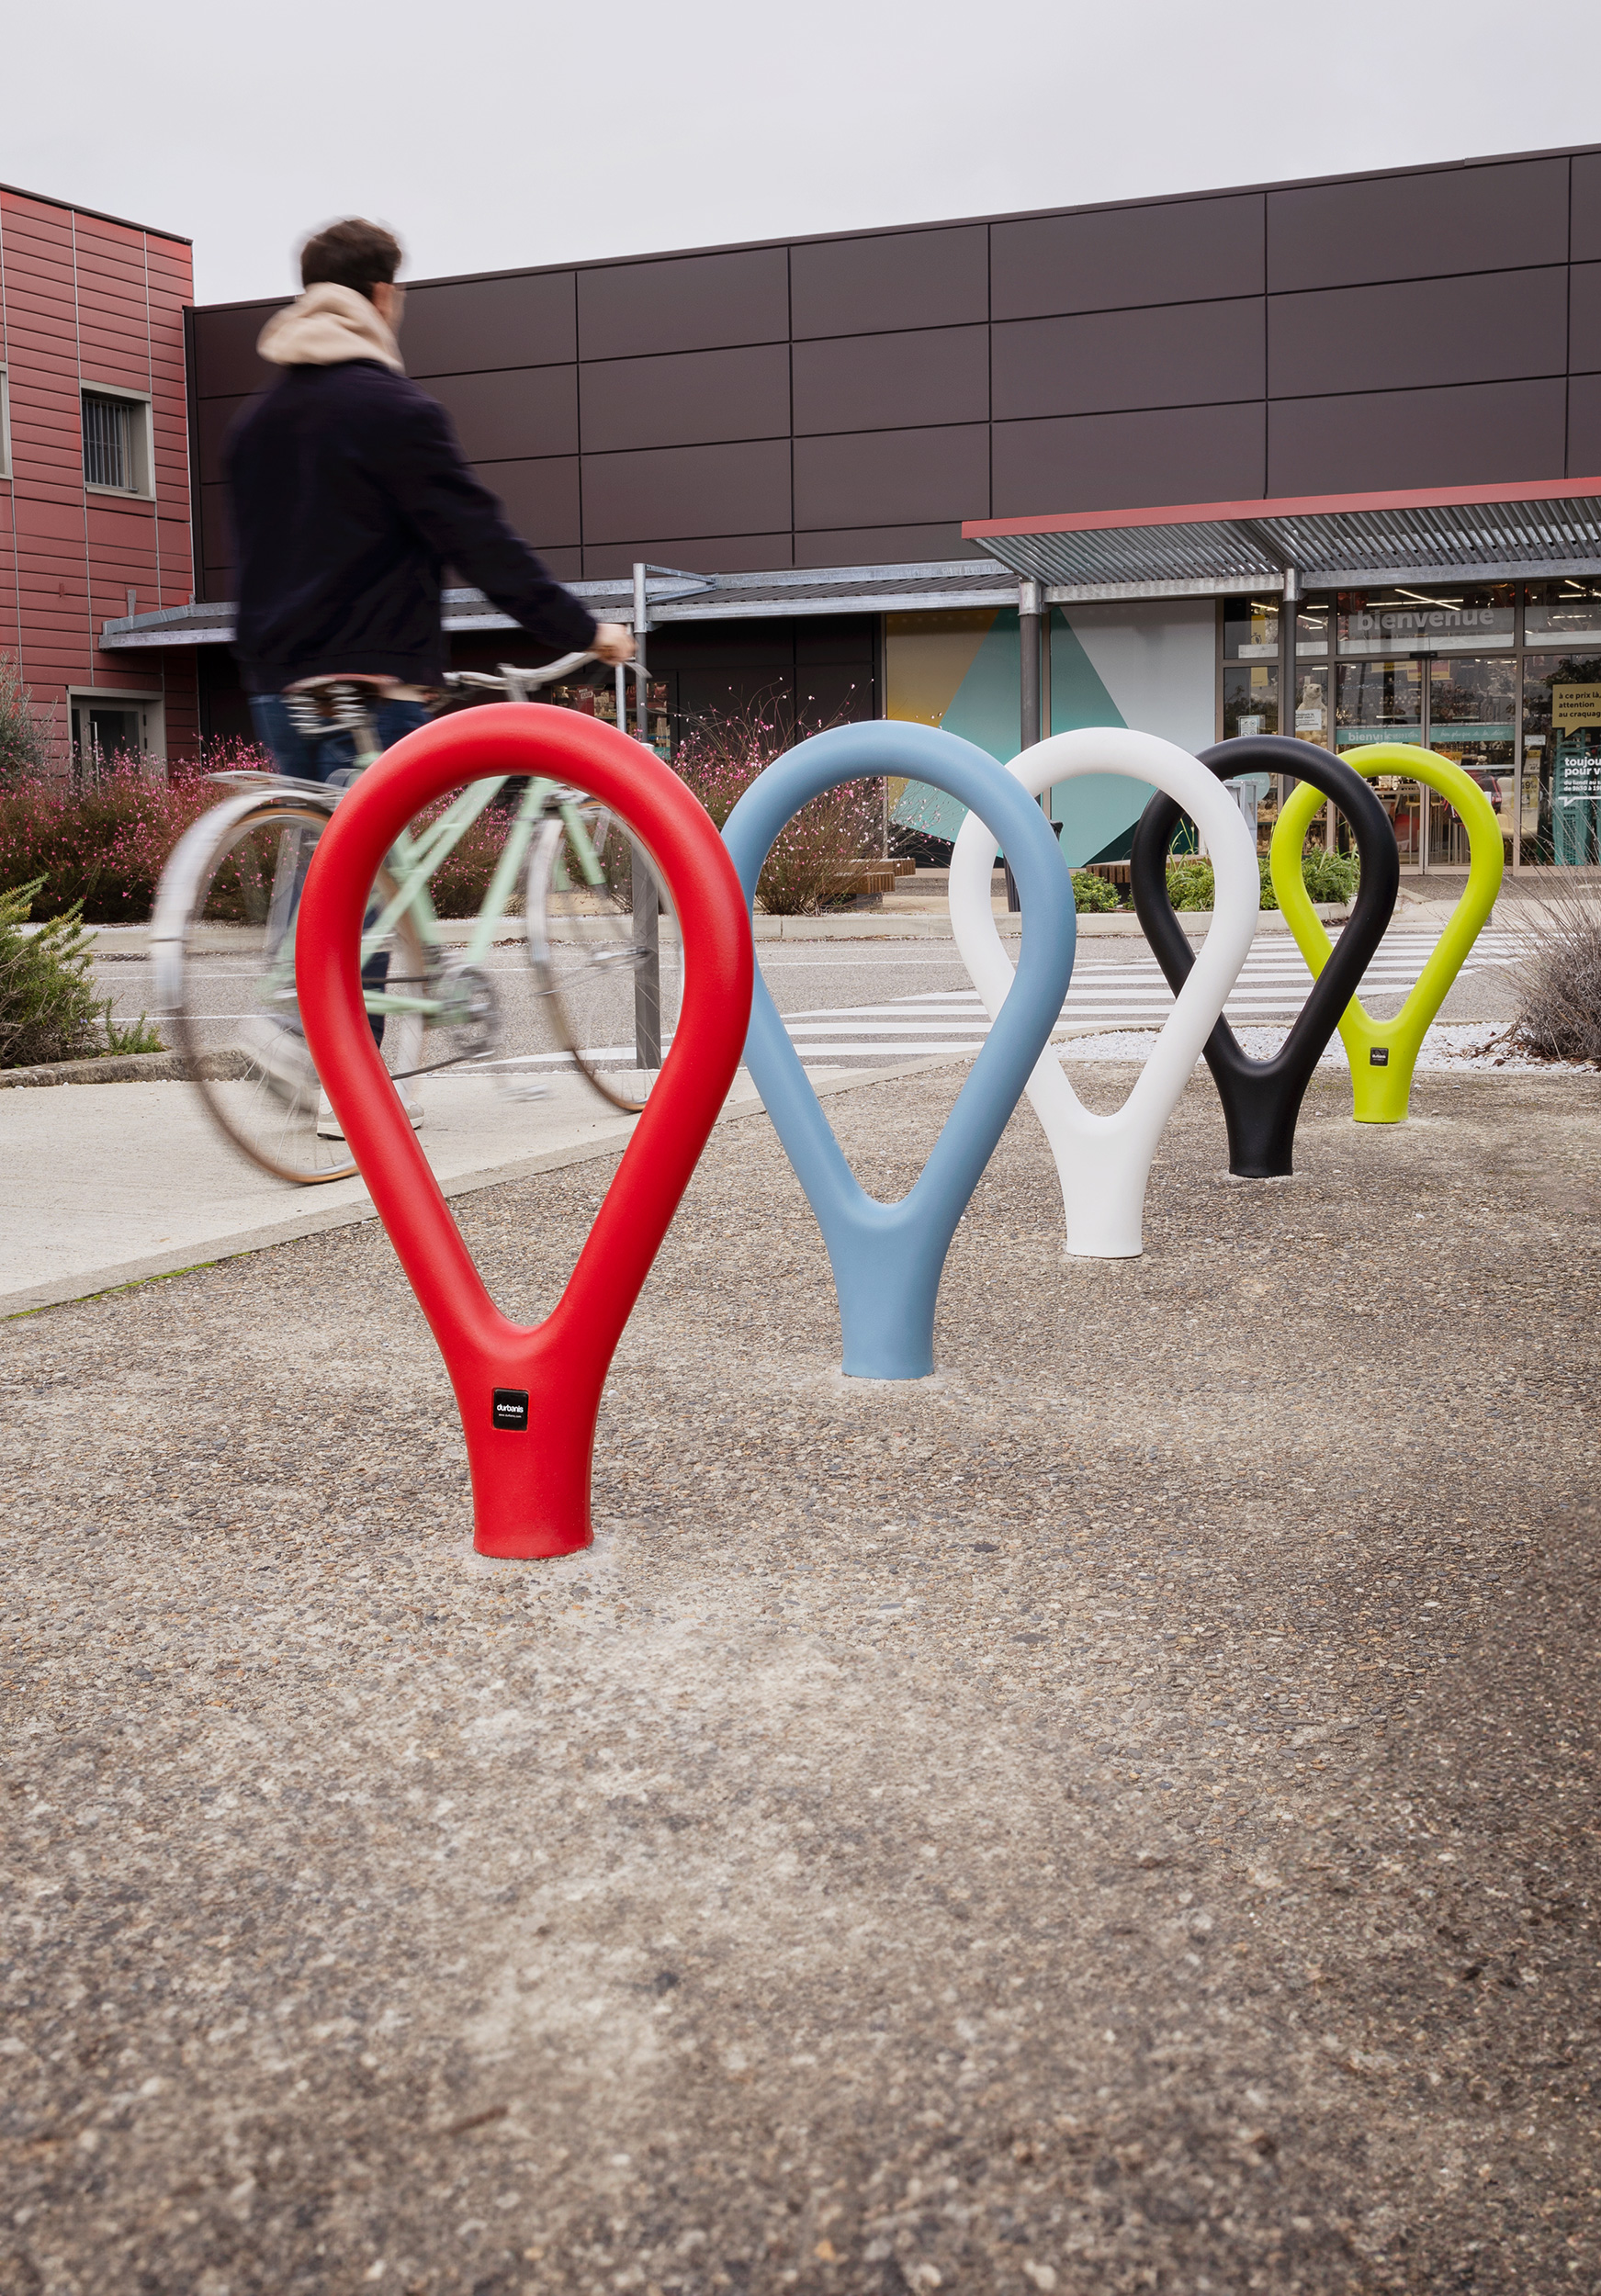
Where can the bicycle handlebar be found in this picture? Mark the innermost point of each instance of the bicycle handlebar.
(516, 683)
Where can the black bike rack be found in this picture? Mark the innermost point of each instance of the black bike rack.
(1261, 1099)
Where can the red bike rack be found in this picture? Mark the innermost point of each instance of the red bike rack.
(528, 1395)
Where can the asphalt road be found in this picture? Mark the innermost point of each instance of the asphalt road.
(849, 977)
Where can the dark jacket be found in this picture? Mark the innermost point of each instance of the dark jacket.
(350, 496)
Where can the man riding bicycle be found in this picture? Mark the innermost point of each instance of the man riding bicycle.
(350, 496)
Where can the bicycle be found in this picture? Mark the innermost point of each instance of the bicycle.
(607, 980)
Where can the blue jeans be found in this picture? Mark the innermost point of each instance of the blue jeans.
(311, 758)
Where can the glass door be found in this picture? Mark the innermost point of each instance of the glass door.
(1472, 719)
(1382, 700)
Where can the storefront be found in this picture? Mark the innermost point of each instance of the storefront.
(1504, 677)
(1500, 674)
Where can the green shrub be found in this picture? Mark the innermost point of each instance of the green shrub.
(24, 746)
(1093, 892)
(49, 1010)
(1191, 882)
(1326, 876)
(1330, 876)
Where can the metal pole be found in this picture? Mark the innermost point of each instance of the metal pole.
(1424, 734)
(1031, 608)
(1287, 605)
(647, 913)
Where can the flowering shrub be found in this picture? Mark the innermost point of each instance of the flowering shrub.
(458, 884)
(104, 843)
(807, 869)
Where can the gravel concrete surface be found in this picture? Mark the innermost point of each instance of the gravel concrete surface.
(1118, 1816)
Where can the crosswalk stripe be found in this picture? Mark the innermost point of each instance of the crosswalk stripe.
(1272, 985)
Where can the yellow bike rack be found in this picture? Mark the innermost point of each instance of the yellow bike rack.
(1383, 1053)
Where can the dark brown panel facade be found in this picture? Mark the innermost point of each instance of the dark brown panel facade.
(1123, 256)
(1177, 355)
(897, 478)
(1104, 462)
(894, 280)
(1477, 328)
(688, 400)
(214, 558)
(688, 491)
(697, 553)
(1585, 427)
(1418, 226)
(459, 326)
(1585, 319)
(512, 412)
(1484, 435)
(225, 361)
(216, 417)
(884, 545)
(541, 499)
(684, 303)
(1585, 219)
(852, 400)
(891, 382)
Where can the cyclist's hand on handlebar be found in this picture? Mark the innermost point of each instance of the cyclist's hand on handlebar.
(613, 642)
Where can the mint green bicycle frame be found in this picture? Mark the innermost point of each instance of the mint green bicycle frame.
(412, 862)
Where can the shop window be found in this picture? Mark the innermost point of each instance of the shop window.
(1444, 618)
(116, 457)
(1250, 700)
(1250, 628)
(1560, 815)
(1379, 701)
(1565, 613)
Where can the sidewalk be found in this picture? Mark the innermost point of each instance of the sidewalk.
(112, 1184)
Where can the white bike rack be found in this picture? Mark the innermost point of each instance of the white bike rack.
(1104, 1162)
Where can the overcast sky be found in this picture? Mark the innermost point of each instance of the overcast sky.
(489, 133)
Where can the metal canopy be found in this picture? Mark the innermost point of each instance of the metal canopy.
(672, 596)
(1543, 528)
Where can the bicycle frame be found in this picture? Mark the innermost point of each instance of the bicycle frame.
(414, 859)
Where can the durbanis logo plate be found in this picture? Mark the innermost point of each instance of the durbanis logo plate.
(511, 1411)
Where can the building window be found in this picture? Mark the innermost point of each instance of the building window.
(117, 442)
(112, 730)
(4, 427)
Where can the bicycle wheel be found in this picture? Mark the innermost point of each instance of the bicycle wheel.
(592, 963)
(223, 939)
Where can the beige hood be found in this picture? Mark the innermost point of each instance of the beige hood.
(328, 325)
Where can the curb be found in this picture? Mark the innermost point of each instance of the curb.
(129, 1068)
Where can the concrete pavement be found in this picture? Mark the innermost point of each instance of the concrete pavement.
(113, 1184)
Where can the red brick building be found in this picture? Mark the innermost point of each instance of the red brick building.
(94, 471)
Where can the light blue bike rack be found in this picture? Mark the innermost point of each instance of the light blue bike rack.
(888, 1258)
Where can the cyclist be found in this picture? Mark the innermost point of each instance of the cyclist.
(350, 496)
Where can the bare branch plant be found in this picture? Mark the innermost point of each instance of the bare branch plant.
(1558, 980)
